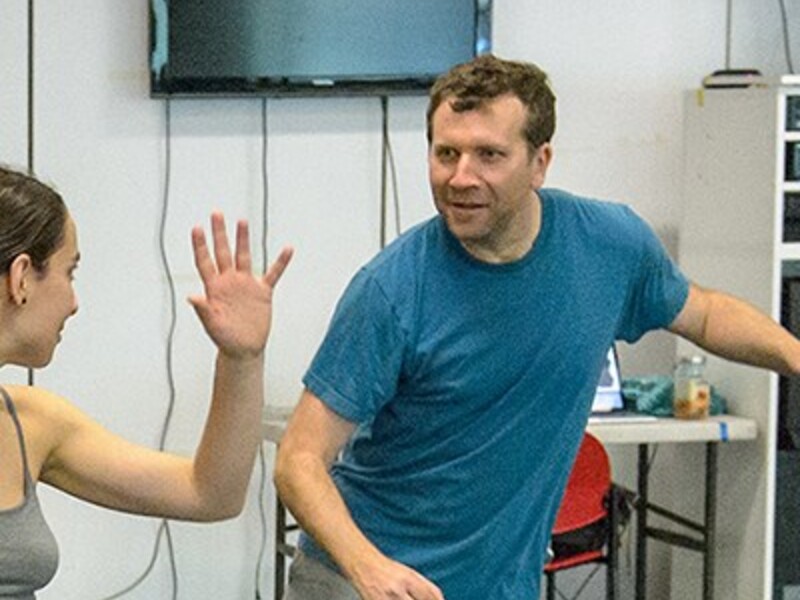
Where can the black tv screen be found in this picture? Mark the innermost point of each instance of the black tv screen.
(311, 47)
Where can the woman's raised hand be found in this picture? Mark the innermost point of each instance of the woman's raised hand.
(236, 310)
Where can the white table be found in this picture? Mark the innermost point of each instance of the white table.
(711, 432)
(726, 428)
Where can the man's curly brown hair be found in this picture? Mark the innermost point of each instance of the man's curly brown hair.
(467, 86)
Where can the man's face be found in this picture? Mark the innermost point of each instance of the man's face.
(484, 178)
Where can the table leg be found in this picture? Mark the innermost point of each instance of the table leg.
(641, 525)
(710, 521)
(612, 567)
(280, 542)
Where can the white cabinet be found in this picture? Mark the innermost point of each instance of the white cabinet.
(739, 169)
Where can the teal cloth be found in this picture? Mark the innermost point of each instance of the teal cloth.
(653, 395)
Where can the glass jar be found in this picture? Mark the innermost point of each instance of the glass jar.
(692, 393)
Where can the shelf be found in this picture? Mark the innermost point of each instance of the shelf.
(791, 186)
(753, 210)
(790, 251)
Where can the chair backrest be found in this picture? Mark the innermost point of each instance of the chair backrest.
(589, 482)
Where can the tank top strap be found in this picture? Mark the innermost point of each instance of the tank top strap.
(13, 412)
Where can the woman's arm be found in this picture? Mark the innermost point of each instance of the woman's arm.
(236, 312)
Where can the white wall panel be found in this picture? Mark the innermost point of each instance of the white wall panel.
(620, 69)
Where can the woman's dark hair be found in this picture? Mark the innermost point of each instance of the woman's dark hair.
(32, 219)
(469, 85)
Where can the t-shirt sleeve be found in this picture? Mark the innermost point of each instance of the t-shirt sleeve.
(356, 368)
(658, 289)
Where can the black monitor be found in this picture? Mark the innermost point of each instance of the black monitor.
(311, 47)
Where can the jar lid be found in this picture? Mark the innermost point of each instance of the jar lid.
(695, 359)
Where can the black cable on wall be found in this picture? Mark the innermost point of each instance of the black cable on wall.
(30, 86)
(262, 461)
(384, 159)
(388, 169)
(728, 33)
(30, 114)
(787, 47)
(164, 527)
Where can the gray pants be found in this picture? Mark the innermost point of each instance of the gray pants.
(309, 579)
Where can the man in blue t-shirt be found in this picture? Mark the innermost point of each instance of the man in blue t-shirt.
(441, 415)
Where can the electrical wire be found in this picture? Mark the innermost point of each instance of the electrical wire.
(264, 263)
(30, 114)
(262, 511)
(651, 459)
(786, 44)
(162, 238)
(264, 187)
(384, 160)
(30, 85)
(170, 342)
(162, 530)
(582, 586)
(388, 169)
(395, 193)
(728, 33)
(164, 527)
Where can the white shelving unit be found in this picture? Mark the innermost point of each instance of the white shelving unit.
(735, 182)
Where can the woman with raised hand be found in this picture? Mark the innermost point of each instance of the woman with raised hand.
(45, 438)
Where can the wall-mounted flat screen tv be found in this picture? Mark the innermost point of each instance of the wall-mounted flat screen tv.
(310, 47)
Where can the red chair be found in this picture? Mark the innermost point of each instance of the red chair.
(588, 521)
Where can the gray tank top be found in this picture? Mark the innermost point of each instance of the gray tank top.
(28, 549)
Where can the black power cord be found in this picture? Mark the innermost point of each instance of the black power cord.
(164, 528)
(786, 43)
(388, 169)
(264, 264)
(30, 113)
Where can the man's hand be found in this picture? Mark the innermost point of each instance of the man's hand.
(385, 579)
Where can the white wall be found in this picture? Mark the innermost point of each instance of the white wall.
(618, 67)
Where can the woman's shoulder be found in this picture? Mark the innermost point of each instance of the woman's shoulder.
(40, 408)
(30, 397)
(46, 420)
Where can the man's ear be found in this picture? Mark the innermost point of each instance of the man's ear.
(19, 274)
(540, 163)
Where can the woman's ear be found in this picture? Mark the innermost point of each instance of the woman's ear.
(19, 274)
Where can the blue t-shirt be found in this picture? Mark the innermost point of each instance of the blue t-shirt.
(471, 384)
